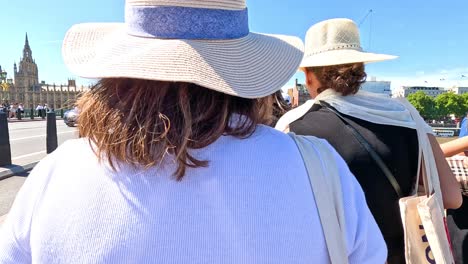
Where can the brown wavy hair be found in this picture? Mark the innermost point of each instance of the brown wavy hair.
(345, 79)
(138, 122)
(280, 107)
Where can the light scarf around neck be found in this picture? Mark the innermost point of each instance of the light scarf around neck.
(371, 107)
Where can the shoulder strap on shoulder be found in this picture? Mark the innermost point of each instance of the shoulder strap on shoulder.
(325, 183)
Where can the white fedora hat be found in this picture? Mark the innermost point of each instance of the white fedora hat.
(335, 42)
(206, 42)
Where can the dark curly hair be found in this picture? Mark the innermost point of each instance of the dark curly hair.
(345, 79)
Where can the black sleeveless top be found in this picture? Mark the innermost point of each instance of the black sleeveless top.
(397, 146)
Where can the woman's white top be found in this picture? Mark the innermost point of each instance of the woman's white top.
(252, 204)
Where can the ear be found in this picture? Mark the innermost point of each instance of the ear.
(309, 77)
(306, 72)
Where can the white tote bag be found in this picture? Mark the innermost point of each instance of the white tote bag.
(426, 239)
(325, 183)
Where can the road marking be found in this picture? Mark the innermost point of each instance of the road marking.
(29, 155)
(18, 139)
(33, 124)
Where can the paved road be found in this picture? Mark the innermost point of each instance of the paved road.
(8, 190)
(28, 144)
(28, 139)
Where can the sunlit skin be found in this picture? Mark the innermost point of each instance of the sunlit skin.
(312, 83)
(454, 147)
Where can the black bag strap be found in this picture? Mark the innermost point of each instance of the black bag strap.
(378, 160)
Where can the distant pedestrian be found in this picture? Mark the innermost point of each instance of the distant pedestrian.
(19, 111)
(39, 110)
(464, 126)
(13, 109)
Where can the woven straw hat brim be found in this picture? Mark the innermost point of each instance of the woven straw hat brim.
(251, 67)
(345, 56)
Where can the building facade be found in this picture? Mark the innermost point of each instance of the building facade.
(26, 76)
(25, 87)
(380, 87)
(298, 94)
(459, 90)
(404, 91)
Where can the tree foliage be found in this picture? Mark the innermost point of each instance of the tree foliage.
(424, 104)
(465, 100)
(450, 103)
(442, 106)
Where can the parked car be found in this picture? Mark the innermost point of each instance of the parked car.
(70, 117)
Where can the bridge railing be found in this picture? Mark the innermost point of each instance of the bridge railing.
(33, 114)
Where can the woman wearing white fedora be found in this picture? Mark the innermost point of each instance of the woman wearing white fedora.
(366, 129)
(177, 166)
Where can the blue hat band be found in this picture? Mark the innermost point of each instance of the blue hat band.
(170, 22)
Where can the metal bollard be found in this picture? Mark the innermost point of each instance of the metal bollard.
(32, 114)
(51, 134)
(18, 114)
(61, 113)
(5, 150)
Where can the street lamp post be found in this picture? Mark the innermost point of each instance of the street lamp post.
(3, 76)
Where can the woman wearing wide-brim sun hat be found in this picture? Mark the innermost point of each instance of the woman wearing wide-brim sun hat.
(174, 164)
(356, 122)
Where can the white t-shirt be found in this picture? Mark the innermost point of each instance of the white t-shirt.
(252, 204)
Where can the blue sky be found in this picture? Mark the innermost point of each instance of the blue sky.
(430, 37)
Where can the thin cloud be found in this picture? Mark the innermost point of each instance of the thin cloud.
(446, 78)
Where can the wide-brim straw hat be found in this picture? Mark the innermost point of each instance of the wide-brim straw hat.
(206, 42)
(336, 42)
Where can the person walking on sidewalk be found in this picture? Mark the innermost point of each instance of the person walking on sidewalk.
(13, 109)
(39, 110)
(176, 164)
(3, 108)
(21, 108)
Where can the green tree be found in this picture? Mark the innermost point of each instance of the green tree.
(450, 103)
(465, 101)
(424, 104)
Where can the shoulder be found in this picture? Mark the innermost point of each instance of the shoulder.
(70, 153)
(314, 121)
(72, 146)
(265, 146)
(267, 137)
(293, 115)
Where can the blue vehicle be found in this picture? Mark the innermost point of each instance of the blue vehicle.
(70, 117)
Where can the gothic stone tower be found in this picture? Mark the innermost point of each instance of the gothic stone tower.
(26, 77)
